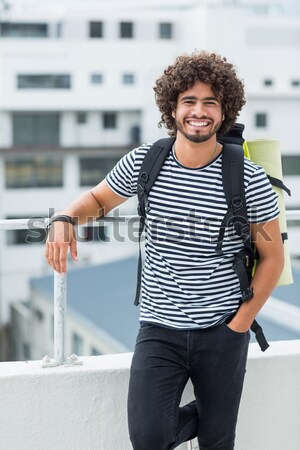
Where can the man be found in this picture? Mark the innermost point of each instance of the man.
(193, 325)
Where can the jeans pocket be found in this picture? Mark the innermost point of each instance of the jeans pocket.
(233, 332)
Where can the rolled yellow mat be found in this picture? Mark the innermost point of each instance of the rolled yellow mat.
(266, 153)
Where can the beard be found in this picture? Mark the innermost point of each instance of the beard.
(198, 138)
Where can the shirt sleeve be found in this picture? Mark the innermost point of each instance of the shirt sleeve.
(122, 179)
(261, 199)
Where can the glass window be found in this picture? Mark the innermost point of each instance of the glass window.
(94, 234)
(95, 352)
(59, 28)
(268, 82)
(165, 30)
(128, 78)
(33, 235)
(291, 165)
(33, 129)
(81, 117)
(44, 81)
(93, 170)
(33, 172)
(38, 314)
(261, 120)
(126, 29)
(26, 350)
(109, 120)
(135, 134)
(24, 30)
(96, 78)
(96, 29)
(295, 83)
(77, 344)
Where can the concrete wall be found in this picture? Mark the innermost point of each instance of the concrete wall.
(84, 407)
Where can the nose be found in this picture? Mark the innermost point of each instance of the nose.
(199, 110)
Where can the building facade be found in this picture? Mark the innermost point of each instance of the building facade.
(76, 81)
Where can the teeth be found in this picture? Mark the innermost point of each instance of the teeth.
(198, 124)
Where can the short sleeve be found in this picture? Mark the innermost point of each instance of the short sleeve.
(122, 179)
(261, 199)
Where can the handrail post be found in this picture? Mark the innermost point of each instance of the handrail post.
(60, 317)
(60, 326)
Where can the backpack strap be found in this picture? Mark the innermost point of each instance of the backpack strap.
(279, 183)
(150, 168)
(233, 185)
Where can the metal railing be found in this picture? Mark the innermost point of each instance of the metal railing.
(60, 286)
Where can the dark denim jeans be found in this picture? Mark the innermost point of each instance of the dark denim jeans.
(163, 361)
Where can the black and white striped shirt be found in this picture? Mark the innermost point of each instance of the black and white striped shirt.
(185, 284)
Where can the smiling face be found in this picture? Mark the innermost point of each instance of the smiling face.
(198, 113)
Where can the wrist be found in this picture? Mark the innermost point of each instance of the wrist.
(62, 218)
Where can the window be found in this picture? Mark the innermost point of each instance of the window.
(38, 314)
(295, 83)
(268, 82)
(59, 27)
(81, 117)
(128, 78)
(95, 352)
(93, 170)
(261, 120)
(77, 344)
(96, 78)
(96, 29)
(291, 165)
(35, 129)
(33, 235)
(44, 82)
(24, 30)
(26, 351)
(94, 234)
(126, 30)
(166, 30)
(109, 120)
(33, 172)
(135, 134)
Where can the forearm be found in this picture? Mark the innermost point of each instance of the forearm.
(85, 208)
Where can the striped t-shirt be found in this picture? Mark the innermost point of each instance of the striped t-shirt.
(185, 284)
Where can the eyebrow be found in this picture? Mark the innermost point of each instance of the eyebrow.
(192, 97)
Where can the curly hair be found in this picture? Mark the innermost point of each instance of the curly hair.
(202, 66)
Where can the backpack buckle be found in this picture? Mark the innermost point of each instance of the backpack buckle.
(144, 177)
(237, 203)
(247, 294)
(244, 230)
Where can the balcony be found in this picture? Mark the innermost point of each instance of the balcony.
(84, 407)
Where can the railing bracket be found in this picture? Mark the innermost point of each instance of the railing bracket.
(48, 362)
(74, 360)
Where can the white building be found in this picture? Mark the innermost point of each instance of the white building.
(76, 82)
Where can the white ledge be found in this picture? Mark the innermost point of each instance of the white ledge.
(84, 407)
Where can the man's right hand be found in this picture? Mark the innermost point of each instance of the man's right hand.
(89, 206)
(61, 236)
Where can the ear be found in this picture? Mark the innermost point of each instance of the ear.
(173, 114)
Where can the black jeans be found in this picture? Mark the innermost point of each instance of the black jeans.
(163, 361)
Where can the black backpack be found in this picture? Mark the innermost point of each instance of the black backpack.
(233, 184)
